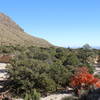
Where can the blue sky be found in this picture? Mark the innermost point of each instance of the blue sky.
(61, 22)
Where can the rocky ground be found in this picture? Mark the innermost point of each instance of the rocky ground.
(3, 75)
(56, 96)
(97, 69)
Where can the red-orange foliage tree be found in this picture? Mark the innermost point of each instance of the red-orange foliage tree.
(82, 78)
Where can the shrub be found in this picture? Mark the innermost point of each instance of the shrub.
(27, 97)
(59, 74)
(83, 80)
(92, 95)
(46, 84)
(71, 60)
(32, 96)
(35, 95)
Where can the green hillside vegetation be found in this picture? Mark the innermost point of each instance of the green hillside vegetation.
(45, 69)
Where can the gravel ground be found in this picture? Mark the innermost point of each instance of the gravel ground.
(97, 71)
(3, 73)
(56, 97)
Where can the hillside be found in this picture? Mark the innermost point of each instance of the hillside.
(13, 34)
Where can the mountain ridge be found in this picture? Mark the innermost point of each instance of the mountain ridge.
(12, 34)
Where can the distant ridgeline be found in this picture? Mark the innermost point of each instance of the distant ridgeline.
(13, 34)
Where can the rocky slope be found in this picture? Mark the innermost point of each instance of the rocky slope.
(13, 34)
